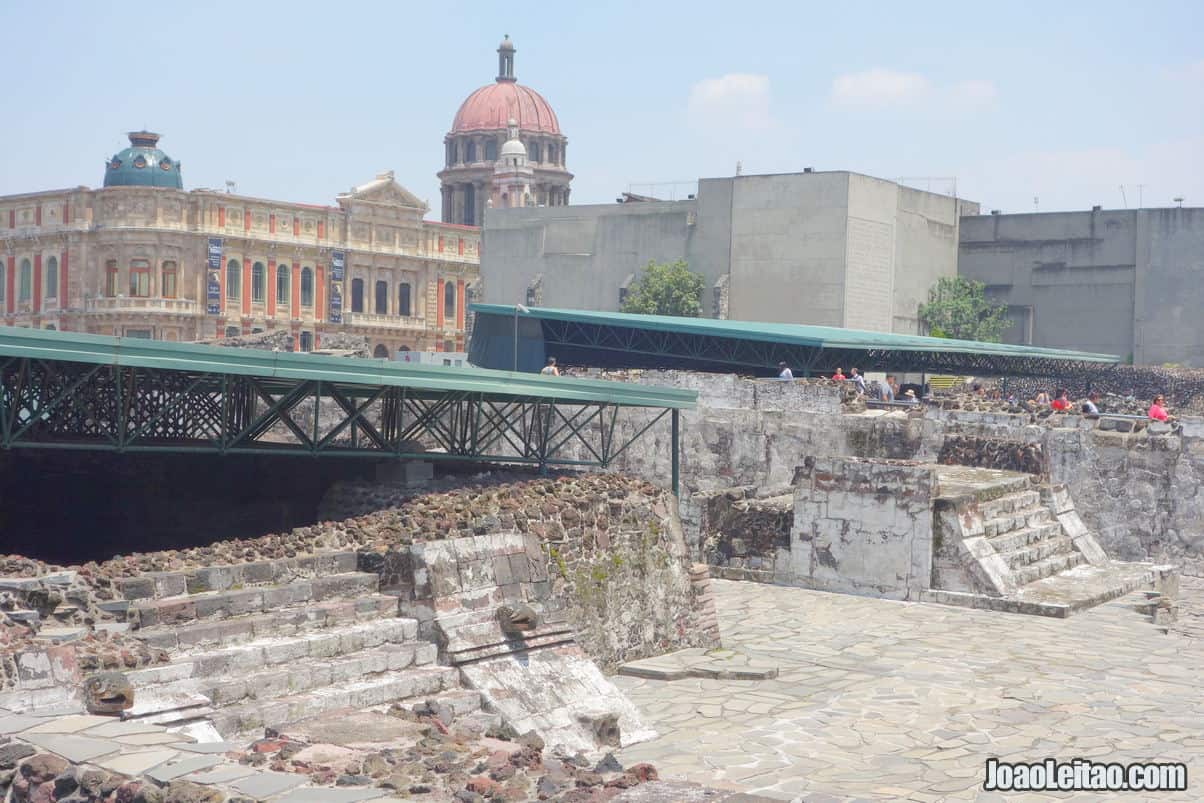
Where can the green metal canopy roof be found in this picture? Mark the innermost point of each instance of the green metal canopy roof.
(40, 344)
(796, 334)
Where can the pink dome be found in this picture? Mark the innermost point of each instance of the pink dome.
(491, 106)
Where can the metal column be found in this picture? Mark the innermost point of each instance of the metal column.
(676, 453)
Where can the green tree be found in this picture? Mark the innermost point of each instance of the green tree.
(958, 308)
(666, 289)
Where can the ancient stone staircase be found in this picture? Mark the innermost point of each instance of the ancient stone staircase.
(1024, 533)
(267, 643)
(1004, 541)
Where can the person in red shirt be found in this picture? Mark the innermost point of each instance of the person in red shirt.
(1062, 402)
(838, 374)
(1157, 411)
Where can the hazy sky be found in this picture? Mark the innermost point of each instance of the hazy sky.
(300, 100)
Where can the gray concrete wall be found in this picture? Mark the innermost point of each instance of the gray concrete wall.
(829, 248)
(1124, 282)
(1170, 286)
(927, 227)
(583, 252)
(788, 247)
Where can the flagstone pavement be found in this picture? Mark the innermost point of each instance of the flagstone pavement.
(884, 700)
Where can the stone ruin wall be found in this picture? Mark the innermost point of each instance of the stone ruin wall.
(1139, 491)
(609, 553)
(606, 552)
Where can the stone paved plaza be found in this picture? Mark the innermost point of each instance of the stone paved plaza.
(878, 699)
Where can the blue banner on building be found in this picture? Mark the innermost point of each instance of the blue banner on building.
(213, 281)
(337, 265)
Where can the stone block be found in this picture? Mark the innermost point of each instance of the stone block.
(133, 588)
(501, 570)
(260, 572)
(294, 593)
(229, 603)
(323, 646)
(168, 584)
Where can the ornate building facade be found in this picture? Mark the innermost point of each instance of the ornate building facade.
(141, 257)
(470, 178)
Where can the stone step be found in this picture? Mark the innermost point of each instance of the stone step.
(1046, 568)
(1016, 519)
(225, 604)
(305, 676)
(309, 616)
(278, 571)
(388, 687)
(1007, 503)
(1024, 536)
(1039, 551)
(259, 654)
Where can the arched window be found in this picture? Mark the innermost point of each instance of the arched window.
(167, 285)
(258, 282)
(233, 279)
(449, 303)
(471, 151)
(533, 152)
(52, 277)
(307, 288)
(552, 154)
(380, 352)
(139, 278)
(451, 154)
(382, 298)
(307, 338)
(111, 278)
(357, 295)
(403, 299)
(282, 285)
(491, 150)
(403, 349)
(25, 281)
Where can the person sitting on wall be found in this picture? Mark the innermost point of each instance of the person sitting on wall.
(550, 369)
(909, 397)
(858, 380)
(839, 375)
(1062, 403)
(784, 372)
(1157, 411)
(1090, 408)
(1042, 398)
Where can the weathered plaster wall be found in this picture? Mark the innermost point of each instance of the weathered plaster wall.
(861, 527)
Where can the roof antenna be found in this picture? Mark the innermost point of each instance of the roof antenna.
(739, 168)
(1123, 197)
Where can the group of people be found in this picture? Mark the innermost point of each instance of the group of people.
(882, 391)
(1060, 402)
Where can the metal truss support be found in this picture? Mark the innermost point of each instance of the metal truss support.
(630, 347)
(65, 405)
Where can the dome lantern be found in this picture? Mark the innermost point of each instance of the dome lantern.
(505, 60)
(143, 165)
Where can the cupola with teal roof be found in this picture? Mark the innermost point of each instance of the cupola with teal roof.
(143, 165)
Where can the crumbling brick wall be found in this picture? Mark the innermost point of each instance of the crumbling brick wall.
(997, 453)
(745, 530)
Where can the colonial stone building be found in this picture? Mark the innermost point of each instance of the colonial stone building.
(142, 257)
(477, 173)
